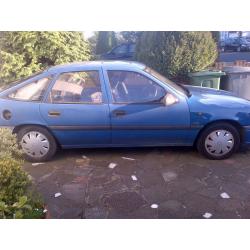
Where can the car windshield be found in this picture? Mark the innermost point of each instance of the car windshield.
(166, 81)
(13, 84)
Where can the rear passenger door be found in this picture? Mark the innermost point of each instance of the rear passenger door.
(76, 109)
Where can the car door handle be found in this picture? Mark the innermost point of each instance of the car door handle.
(119, 112)
(54, 113)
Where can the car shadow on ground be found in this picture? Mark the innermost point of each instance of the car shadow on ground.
(125, 151)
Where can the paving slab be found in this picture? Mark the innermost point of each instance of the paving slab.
(182, 183)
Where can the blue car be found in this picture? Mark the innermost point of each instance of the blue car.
(120, 104)
(124, 51)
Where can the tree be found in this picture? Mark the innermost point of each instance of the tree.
(113, 39)
(23, 53)
(130, 36)
(176, 53)
(216, 36)
(106, 40)
(92, 42)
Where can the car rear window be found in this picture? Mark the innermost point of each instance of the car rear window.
(33, 91)
(4, 87)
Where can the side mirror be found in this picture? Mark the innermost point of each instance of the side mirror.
(169, 99)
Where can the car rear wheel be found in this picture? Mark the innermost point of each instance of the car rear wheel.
(219, 141)
(37, 143)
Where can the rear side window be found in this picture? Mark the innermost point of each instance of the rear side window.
(33, 91)
(77, 87)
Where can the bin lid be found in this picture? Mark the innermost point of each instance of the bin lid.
(207, 73)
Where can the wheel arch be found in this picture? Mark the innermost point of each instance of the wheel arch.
(234, 123)
(19, 127)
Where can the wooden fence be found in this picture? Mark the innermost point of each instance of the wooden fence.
(239, 63)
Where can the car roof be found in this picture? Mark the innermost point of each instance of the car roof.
(95, 65)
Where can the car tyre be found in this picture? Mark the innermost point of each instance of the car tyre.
(37, 143)
(218, 141)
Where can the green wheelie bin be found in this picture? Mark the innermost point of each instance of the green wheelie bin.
(206, 78)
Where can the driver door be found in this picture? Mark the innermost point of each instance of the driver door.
(138, 115)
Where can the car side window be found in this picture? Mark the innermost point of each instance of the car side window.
(33, 91)
(133, 87)
(77, 87)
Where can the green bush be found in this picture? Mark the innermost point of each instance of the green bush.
(16, 210)
(13, 180)
(176, 53)
(17, 198)
(8, 145)
(25, 52)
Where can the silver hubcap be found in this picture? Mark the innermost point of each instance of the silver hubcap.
(35, 144)
(219, 142)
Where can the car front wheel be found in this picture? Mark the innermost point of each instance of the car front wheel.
(219, 141)
(37, 143)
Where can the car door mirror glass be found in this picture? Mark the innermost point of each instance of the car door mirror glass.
(169, 99)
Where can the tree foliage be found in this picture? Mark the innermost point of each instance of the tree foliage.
(130, 36)
(216, 36)
(106, 40)
(23, 53)
(176, 53)
(92, 43)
